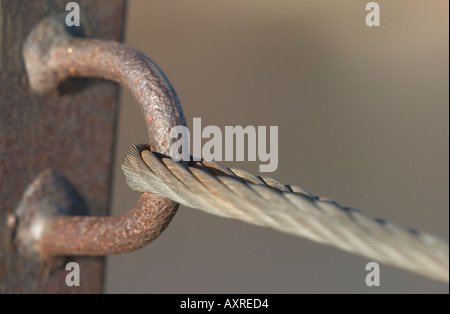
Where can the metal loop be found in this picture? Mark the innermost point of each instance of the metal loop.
(51, 55)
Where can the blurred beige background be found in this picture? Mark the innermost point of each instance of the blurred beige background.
(363, 116)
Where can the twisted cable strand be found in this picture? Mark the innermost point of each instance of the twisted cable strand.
(264, 201)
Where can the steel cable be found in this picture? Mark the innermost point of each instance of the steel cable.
(264, 201)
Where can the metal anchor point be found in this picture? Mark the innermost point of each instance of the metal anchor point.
(52, 55)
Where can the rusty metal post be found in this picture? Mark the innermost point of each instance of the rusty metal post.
(70, 132)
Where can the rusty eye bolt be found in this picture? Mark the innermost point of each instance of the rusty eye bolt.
(51, 55)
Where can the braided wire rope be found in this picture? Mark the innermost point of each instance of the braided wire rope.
(264, 201)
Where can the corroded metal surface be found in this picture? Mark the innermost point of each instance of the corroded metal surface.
(51, 55)
(48, 196)
(70, 132)
(109, 235)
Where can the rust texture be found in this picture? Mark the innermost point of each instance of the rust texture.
(70, 132)
(49, 195)
(109, 235)
(51, 56)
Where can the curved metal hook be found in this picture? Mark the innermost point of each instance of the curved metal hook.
(51, 55)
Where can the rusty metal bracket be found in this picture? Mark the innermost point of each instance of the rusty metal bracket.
(52, 55)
